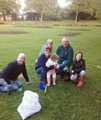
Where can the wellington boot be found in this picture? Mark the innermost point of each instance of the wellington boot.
(77, 80)
(81, 82)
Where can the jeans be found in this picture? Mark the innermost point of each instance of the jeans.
(82, 73)
(14, 85)
(42, 73)
(61, 66)
(11, 87)
(3, 86)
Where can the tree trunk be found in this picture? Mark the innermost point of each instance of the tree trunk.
(76, 17)
(4, 18)
(41, 19)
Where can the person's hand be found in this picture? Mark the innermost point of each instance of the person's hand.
(48, 66)
(72, 71)
(55, 66)
(27, 83)
(72, 76)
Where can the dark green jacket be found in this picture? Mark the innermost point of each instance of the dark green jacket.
(65, 54)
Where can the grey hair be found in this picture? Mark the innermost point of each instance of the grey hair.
(21, 54)
(65, 39)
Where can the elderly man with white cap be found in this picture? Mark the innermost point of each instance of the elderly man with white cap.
(8, 76)
(65, 53)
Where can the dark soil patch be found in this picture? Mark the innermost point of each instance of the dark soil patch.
(99, 25)
(70, 34)
(13, 32)
(79, 29)
(35, 26)
(56, 25)
(69, 25)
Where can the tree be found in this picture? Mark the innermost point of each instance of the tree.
(81, 6)
(8, 6)
(42, 6)
(97, 7)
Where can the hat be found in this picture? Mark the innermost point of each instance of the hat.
(48, 47)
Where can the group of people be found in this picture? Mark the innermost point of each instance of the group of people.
(48, 65)
(51, 64)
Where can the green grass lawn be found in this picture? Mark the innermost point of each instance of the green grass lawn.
(64, 101)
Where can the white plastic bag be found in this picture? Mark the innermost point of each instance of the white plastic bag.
(29, 105)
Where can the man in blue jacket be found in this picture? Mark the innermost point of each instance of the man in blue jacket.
(8, 76)
(65, 53)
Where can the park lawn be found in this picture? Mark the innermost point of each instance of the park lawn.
(64, 101)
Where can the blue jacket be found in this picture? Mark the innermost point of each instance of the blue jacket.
(42, 63)
(12, 70)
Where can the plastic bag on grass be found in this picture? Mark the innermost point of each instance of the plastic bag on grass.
(30, 104)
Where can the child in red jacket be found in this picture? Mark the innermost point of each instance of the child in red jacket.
(78, 69)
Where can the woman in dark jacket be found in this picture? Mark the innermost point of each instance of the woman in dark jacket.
(78, 72)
